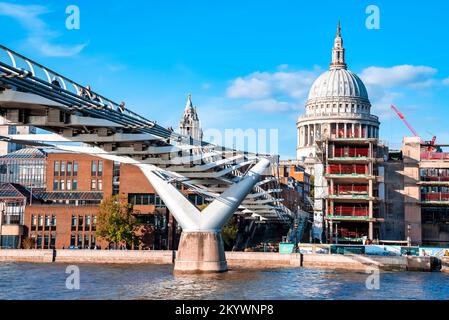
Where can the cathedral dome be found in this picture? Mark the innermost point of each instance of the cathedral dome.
(338, 82)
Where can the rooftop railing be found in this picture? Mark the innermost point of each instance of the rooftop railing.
(341, 115)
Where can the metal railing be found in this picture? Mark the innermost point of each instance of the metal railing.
(340, 116)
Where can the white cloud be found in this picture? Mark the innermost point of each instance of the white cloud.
(386, 86)
(254, 87)
(446, 81)
(39, 36)
(402, 75)
(270, 105)
(263, 85)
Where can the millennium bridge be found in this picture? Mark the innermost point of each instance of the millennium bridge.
(80, 120)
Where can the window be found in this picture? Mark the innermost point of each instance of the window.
(56, 168)
(100, 168)
(72, 240)
(94, 219)
(62, 173)
(53, 221)
(73, 221)
(87, 220)
(75, 184)
(75, 168)
(100, 184)
(93, 168)
(33, 220)
(80, 221)
(47, 221)
(62, 185)
(55, 185)
(69, 184)
(39, 242)
(41, 221)
(93, 184)
(69, 169)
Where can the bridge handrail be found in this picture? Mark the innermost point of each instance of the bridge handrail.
(113, 106)
(13, 55)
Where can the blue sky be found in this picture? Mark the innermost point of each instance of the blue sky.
(248, 64)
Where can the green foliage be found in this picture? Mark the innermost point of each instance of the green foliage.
(229, 233)
(115, 222)
(28, 243)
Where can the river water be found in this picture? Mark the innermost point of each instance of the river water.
(48, 281)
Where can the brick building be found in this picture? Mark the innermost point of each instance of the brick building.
(64, 213)
(295, 183)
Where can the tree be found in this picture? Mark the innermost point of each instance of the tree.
(115, 222)
(28, 243)
(229, 233)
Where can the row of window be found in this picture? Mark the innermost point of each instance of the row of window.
(96, 184)
(63, 168)
(96, 168)
(82, 241)
(145, 199)
(434, 190)
(61, 185)
(69, 168)
(65, 184)
(81, 221)
(47, 241)
(155, 200)
(341, 108)
(43, 220)
(434, 172)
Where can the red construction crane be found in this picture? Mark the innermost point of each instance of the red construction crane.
(402, 117)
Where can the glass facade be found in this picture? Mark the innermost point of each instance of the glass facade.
(26, 172)
(14, 212)
(145, 199)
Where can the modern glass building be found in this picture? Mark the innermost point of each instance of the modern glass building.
(26, 167)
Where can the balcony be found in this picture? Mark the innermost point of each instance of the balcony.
(435, 198)
(435, 156)
(12, 219)
(350, 211)
(358, 116)
(347, 169)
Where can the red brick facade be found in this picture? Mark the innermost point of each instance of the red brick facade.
(64, 224)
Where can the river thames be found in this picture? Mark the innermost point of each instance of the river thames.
(48, 281)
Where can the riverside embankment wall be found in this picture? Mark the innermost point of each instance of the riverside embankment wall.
(259, 260)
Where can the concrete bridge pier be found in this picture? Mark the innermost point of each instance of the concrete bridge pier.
(201, 246)
(201, 252)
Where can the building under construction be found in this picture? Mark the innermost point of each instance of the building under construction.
(425, 192)
(353, 183)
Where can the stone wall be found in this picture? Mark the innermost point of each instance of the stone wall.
(35, 256)
(114, 256)
(262, 260)
(257, 260)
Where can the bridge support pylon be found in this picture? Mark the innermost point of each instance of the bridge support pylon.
(201, 252)
(201, 246)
